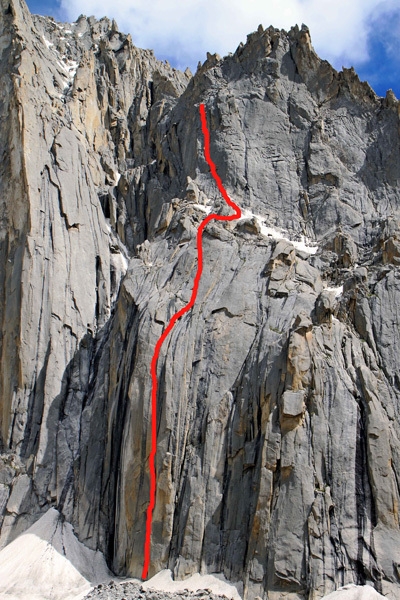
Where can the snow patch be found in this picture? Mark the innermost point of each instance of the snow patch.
(124, 262)
(47, 562)
(304, 245)
(119, 260)
(119, 263)
(47, 42)
(121, 246)
(206, 209)
(216, 583)
(72, 67)
(338, 290)
(69, 67)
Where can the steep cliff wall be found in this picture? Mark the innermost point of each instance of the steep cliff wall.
(278, 451)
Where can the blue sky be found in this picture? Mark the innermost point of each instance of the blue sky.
(360, 33)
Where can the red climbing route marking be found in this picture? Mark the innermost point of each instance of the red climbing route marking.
(168, 329)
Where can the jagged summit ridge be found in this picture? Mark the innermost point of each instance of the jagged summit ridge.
(278, 433)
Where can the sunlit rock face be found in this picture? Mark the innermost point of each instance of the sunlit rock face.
(278, 458)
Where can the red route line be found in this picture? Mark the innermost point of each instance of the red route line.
(153, 369)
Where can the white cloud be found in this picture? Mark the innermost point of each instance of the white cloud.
(185, 30)
(385, 22)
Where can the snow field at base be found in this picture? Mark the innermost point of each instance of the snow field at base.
(219, 585)
(47, 562)
(216, 583)
(354, 592)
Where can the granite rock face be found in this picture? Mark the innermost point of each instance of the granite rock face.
(278, 449)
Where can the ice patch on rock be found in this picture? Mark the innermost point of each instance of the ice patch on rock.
(47, 562)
